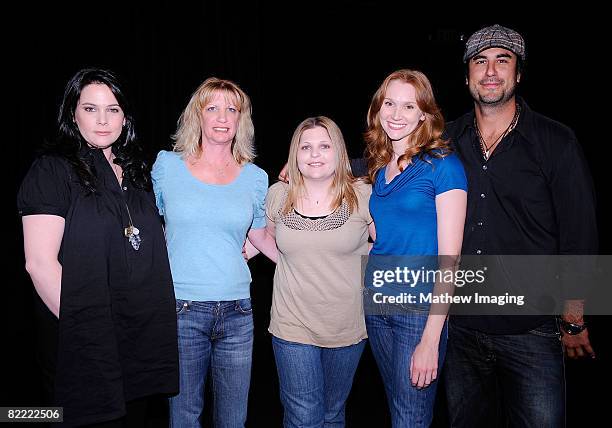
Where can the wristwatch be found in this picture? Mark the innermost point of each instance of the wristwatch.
(571, 328)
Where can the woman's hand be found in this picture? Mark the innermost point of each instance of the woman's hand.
(424, 364)
(248, 250)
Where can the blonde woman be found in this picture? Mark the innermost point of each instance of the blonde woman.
(212, 197)
(321, 223)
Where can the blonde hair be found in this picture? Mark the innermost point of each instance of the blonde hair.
(342, 184)
(188, 137)
(426, 137)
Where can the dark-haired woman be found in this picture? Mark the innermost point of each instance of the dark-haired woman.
(95, 250)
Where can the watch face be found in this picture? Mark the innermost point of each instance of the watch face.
(571, 328)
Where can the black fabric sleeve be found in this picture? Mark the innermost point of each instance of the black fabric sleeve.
(45, 188)
(359, 167)
(573, 197)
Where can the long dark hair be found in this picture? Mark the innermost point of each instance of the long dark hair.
(69, 142)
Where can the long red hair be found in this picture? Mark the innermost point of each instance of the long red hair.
(425, 139)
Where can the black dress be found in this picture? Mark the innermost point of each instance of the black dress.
(116, 335)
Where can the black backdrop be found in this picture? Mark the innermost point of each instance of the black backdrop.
(294, 60)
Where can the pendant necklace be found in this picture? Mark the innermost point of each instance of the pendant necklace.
(486, 150)
(131, 232)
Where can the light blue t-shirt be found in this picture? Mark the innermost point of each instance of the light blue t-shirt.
(206, 226)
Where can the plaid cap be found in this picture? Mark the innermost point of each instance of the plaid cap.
(494, 36)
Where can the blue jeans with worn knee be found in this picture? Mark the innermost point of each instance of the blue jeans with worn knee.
(215, 336)
(521, 375)
(315, 382)
(393, 339)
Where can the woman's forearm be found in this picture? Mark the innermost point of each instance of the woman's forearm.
(264, 242)
(47, 279)
(42, 238)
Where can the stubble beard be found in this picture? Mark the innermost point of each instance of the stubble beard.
(493, 100)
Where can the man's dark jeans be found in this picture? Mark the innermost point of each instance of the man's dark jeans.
(520, 374)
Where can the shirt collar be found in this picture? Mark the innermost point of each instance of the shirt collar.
(464, 122)
(525, 122)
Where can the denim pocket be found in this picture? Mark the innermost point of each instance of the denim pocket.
(181, 306)
(244, 306)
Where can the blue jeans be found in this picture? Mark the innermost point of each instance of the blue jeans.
(315, 382)
(393, 339)
(216, 336)
(523, 374)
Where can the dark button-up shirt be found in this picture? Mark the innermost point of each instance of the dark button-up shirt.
(534, 195)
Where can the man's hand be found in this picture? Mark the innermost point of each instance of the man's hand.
(282, 176)
(577, 346)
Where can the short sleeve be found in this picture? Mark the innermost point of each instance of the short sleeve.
(448, 174)
(157, 176)
(45, 188)
(274, 199)
(363, 191)
(259, 208)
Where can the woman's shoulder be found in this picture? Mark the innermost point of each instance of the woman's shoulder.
(448, 173)
(276, 197)
(255, 171)
(51, 165)
(363, 191)
(362, 188)
(256, 177)
(52, 159)
(166, 156)
(166, 163)
(444, 159)
(47, 186)
(278, 188)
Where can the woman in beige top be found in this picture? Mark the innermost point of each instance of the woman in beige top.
(321, 223)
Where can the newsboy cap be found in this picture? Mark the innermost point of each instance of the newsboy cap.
(494, 36)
